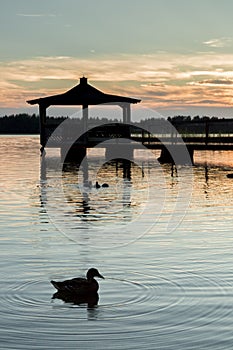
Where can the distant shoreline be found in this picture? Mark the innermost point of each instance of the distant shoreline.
(25, 124)
(19, 134)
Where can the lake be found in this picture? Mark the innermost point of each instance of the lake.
(162, 237)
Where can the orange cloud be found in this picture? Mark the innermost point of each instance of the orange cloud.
(160, 80)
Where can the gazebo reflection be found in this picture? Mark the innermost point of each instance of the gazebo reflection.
(84, 203)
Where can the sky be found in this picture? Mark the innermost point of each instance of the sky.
(174, 55)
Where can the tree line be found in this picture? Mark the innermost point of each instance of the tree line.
(29, 124)
(21, 124)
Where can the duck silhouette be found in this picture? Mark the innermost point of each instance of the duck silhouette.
(81, 287)
(97, 185)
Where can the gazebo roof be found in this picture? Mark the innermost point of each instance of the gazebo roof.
(82, 94)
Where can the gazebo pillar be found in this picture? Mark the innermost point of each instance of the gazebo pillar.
(126, 113)
(42, 114)
(85, 117)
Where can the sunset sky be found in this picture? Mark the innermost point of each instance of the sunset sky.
(175, 55)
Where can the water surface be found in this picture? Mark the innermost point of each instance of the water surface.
(163, 289)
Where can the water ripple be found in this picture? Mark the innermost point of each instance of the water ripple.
(181, 302)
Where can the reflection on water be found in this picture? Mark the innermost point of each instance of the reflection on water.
(163, 290)
(90, 300)
(116, 176)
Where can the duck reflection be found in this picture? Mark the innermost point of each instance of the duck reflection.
(91, 300)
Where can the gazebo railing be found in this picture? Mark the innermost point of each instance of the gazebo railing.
(192, 133)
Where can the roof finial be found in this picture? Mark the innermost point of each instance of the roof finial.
(83, 80)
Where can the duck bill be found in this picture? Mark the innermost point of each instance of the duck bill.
(100, 276)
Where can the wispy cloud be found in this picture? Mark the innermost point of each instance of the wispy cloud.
(36, 15)
(159, 79)
(213, 82)
(218, 42)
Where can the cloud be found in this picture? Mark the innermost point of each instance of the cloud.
(159, 79)
(219, 42)
(213, 82)
(207, 102)
(151, 85)
(36, 15)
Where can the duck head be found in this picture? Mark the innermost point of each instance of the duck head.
(91, 273)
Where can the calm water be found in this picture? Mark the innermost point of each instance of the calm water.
(168, 276)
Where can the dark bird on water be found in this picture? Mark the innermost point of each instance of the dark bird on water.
(80, 286)
(97, 185)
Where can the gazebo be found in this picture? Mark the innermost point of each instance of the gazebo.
(84, 95)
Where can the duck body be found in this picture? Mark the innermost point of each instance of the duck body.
(76, 285)
(80, 286)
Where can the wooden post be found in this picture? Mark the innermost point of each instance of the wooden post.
(206, 132)
(124, 114)
(128, 113)
(42, 114)
(126, 120)
(85, 124)
(85, 117)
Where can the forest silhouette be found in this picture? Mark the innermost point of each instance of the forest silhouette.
(29, 124)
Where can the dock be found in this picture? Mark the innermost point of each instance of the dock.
(167, 136)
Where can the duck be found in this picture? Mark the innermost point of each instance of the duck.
(97, 185)
(80, 286)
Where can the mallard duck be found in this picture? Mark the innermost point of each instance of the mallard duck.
(81, 286)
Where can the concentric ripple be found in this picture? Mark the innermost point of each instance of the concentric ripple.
(148, 306)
